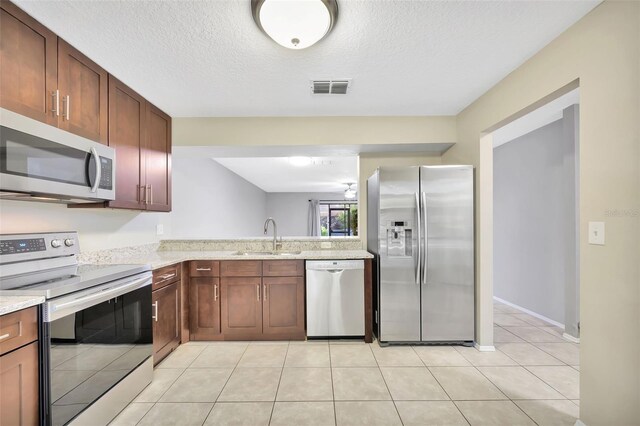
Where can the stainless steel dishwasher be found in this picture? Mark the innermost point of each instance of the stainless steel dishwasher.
(335, 298)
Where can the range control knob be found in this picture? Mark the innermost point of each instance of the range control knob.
(69, 242)
(55, 243)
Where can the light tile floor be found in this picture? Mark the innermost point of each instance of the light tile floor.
(532, 378)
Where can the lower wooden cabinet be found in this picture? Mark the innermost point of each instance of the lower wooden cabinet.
(246, 300)
(19, 386)
(204, 308)
(283, 305)
(241, 306)
(166, 324)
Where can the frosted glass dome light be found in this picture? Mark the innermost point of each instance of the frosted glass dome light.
(295, 24)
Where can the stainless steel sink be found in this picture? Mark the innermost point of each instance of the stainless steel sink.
(267, 253)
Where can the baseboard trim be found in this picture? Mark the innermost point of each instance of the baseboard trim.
(484, 348)
(527, 311)
(580, 423)
(570, 338)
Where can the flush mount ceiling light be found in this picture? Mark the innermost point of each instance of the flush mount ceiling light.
(295, 24)
(350, 193)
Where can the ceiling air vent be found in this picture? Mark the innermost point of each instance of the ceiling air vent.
(330, 87)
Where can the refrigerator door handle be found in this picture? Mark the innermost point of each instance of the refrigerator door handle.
(426, 236)
(419, 256)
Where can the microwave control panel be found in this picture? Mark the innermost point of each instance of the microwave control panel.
(106, 177)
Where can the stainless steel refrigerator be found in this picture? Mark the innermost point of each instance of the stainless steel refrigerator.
(420, 229)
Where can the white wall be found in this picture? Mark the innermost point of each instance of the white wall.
(98, 228)
(291, 210)
(210, 201)
(528, 214)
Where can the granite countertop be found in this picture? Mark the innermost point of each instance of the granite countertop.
(161, 259)
(10, 304)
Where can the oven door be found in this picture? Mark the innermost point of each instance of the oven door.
(39, 159)
(96, 338)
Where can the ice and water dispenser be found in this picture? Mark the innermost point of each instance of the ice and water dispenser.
(399, 234)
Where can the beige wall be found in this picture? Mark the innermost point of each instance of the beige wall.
(603, 51)
(367, 164)
(312, 130)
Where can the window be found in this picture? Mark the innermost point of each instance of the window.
(338, 218)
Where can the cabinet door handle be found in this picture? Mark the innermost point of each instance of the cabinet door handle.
(203, 269)
(66, 101)
(215, 292)
(155, 306)
(143, 200)
(55, 102)
(258, 291)
(264, 290)
(167, 276)
(4, 336)
(150, 194)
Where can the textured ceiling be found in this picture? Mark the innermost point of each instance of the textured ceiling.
(277, 174)
(208, 58)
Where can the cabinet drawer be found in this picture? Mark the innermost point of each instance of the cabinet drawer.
(166, 275)
(18, 329)
(283, 268)
(204, 268)
(241, 268)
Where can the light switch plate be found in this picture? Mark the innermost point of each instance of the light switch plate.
(325, 244)
(159, 229)
(596, 233)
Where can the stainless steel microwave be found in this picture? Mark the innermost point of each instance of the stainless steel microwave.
(43, 163)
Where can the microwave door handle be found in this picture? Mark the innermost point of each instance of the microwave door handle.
(98, 175)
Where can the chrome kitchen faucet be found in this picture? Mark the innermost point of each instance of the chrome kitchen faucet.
(275, 232)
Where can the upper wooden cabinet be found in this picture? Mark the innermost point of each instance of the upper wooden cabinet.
(28, 65)
(82, 87)
(157, 154)
(45, 78)
(141, 135)
(127, 112)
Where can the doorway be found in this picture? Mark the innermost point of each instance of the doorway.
(535, 226)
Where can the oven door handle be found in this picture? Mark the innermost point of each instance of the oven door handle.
(64, 306)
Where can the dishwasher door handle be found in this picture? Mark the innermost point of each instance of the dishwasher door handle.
(335, 271)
